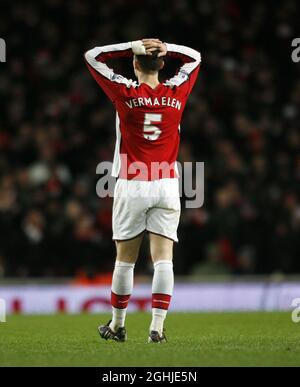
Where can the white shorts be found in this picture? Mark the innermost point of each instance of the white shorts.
(140, 206)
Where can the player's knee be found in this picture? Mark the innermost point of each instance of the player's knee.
(162, 254)
(162, 257)
(127, 255)
(126, 258)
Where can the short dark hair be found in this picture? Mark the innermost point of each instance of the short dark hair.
(150, 63)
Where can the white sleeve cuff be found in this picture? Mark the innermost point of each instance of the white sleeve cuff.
(169, 46)
(138, 47)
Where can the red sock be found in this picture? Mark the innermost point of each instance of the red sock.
(161, 301)
(119, 302)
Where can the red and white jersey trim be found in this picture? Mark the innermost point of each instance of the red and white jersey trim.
(91, 58)
(117, 159)
(185, 70)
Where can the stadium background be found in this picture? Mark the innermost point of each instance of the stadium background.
(56, 125)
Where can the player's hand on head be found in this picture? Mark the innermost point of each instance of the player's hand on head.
(162, 50)
(152, 45)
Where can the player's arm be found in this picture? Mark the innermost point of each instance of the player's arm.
(186, 75)
(111, 83)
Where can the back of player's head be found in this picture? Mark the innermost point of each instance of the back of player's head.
(150, 63)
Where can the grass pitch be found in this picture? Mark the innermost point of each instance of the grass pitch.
(218, 339)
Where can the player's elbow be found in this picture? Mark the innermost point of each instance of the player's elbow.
(197, 57)
(87, 56)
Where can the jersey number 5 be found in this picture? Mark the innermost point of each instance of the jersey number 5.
(152, 132)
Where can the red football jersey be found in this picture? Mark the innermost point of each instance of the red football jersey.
(147, 120)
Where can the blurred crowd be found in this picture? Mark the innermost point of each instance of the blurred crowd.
(242, 120)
